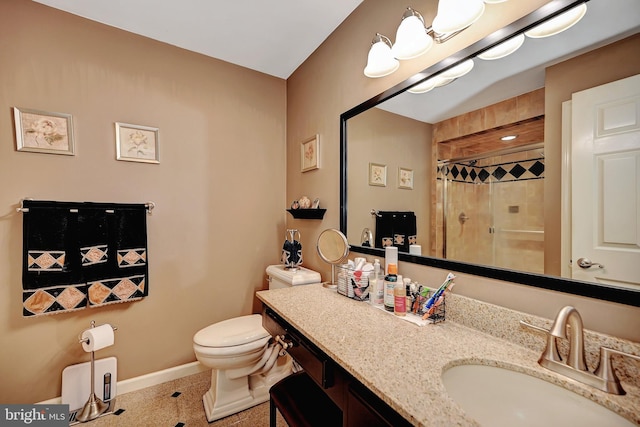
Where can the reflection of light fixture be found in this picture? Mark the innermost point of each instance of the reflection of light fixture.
(558, 24)
(443, 78)
(456, 15)
(425, 86)
(508, 138)
(412, 39)
(503, 49)
(458, 71)
(380, 62)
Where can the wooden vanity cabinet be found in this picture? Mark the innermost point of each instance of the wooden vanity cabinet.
(359, 406)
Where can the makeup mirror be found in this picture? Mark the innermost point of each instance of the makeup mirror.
(333, 248)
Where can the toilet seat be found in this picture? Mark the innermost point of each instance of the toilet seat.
(233, 336)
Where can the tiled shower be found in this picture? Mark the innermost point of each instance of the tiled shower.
(490, 210)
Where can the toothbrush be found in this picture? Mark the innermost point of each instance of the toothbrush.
(439, 301)
(437, 294)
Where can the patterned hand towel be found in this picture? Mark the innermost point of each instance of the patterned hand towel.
(50, 277)
(125, 276)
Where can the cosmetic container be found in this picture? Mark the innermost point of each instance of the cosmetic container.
(390, 281)
(400, 298)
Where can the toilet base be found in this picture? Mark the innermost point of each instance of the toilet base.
(229, 396)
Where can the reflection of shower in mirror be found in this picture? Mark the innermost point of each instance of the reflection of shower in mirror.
(462, 218)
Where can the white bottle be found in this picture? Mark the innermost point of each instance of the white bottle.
(376, 286)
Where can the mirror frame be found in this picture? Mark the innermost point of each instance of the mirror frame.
(554, 283)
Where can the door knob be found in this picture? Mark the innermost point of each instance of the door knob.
(586, 263)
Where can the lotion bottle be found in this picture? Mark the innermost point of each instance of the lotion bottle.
(377, 290)
(400, 298)
(390, 281)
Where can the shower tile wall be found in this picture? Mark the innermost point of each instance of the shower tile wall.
(514, 237)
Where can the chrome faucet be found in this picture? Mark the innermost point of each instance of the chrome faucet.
(575, 367)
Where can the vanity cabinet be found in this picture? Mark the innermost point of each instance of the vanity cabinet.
(359, 406)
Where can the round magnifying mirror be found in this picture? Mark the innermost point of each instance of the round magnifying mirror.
(333, 248)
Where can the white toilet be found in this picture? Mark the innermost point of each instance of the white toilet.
(244, 361)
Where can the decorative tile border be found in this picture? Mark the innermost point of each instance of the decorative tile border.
(502, 172)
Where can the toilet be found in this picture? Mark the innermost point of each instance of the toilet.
(244, 360)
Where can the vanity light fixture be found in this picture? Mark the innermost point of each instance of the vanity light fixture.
(558, 24)
(380, 61)
(503, 49)
(456, 15)
(412, 39)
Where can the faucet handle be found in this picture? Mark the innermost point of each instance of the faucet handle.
(606, 372)
(550, 351)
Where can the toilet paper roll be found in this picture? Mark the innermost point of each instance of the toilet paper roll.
(98, 338)
(415, 249)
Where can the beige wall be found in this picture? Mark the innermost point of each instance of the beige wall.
(378, 136)
(219, 187)
(331, 82)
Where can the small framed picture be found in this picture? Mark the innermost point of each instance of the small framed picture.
(310, 154)
(43, 132)
(405, 178)
(377, 174)
(136, 143)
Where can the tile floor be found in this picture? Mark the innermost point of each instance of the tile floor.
(177, 403)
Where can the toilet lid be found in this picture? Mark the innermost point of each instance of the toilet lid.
(232, 332)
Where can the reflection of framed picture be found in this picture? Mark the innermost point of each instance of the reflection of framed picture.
(405, 178)
(310, 154)
(377, 174)
(136, 143)
(43, 132)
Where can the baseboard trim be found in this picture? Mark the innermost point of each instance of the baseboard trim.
(149, 380)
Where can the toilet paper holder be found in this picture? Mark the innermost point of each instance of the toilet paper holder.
(94, 406)
(86, 339)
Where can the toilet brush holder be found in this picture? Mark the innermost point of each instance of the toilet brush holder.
(94, 406)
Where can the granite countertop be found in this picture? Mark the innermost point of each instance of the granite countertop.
(402, 363)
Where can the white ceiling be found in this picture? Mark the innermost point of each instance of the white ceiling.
(273, 37)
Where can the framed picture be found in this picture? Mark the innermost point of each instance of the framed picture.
(310, 154)
(43, 132)
(405, 178)
(136, 143)
(377, 174)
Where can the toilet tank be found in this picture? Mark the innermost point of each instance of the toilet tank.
(281, 277)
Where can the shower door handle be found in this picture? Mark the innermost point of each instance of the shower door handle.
(587, 263)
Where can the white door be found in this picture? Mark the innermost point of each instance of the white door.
(605, 164)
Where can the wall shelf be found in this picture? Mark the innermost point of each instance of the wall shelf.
(307, 213)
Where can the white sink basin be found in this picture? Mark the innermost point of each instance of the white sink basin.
(501, 397)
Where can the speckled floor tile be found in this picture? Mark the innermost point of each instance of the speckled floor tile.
(177, 403)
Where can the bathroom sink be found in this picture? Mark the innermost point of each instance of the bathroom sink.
(501, 397)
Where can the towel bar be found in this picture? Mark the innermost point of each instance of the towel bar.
(149, 205)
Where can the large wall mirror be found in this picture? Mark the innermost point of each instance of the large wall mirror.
(426, 158)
